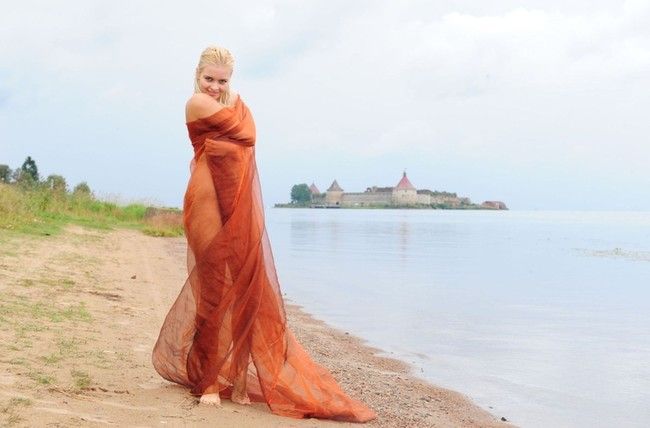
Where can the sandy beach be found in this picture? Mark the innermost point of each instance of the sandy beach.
(80, 312)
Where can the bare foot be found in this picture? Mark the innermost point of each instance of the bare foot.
(239, 394)
(240, 397)
(211, 399)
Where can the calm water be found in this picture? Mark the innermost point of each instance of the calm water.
(541, 317)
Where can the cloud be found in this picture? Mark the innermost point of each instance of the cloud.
(518, 91)
(554, 83)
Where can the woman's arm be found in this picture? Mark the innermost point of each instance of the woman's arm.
(219, 147)
(200, 106)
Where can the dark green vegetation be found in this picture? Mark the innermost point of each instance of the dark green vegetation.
(300, 194)
(31, 205)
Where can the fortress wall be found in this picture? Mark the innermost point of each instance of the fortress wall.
(366, 198)
(405, 197)
(424, 199)
(401, 197)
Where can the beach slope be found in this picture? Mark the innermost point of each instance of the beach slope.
(80, 312)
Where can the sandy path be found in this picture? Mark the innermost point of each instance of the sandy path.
(80, 312)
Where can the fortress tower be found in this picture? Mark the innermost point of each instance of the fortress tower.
(313, 189)
(405, 193)
(334, 194)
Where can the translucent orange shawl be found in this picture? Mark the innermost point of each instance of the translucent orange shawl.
(229, 316)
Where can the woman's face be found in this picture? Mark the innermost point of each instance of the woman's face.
(214, 80)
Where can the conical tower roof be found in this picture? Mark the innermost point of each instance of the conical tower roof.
(404, 184)
(313, 189)
(335, 187)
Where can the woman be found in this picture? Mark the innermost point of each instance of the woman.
(226, 334)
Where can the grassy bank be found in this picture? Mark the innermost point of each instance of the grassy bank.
(40, 210)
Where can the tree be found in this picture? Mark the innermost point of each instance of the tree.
(56, 183)
(300, 194)
(82, 189)
(5, 173)
(29, 167)
(23, 179)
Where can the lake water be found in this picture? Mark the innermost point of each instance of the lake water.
(541, 317)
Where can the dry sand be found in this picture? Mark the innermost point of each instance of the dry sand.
(80, 312)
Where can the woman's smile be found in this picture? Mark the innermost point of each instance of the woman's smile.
(214, 80)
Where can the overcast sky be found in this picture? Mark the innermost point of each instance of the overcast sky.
(540, 104)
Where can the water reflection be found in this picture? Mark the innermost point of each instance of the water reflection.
(403, 234)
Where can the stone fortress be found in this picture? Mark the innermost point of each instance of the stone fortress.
(404, 194)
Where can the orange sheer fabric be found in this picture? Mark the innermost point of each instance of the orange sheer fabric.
(229, 316)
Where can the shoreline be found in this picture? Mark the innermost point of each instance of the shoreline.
(81, 310)
(370, 377)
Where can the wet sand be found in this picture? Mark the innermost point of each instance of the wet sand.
(80, 312)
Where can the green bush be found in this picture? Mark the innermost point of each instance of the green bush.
(45, 208)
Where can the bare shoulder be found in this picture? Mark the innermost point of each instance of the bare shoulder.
(201, 105)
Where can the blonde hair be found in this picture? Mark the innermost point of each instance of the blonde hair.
(214, 55)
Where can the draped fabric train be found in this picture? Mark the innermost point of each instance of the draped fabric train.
(229, 317)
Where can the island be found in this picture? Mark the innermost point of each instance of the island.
(402, 195)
